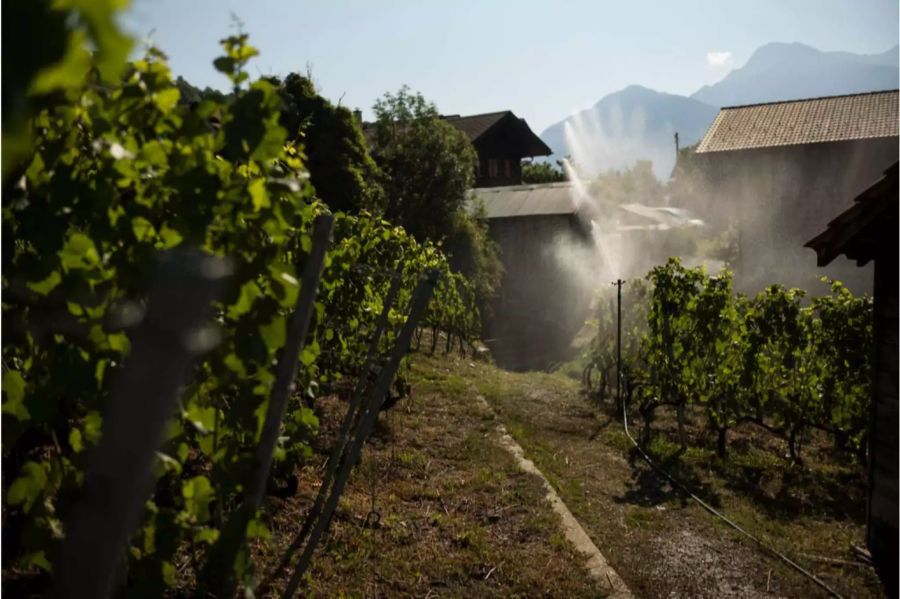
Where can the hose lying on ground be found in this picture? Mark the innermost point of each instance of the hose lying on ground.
(723, 517)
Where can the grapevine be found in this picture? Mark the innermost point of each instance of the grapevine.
(119, 170)
(770, 360)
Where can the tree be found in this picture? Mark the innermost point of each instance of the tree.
(428, 166)
(344, 175)
(194, 95)
(636, 185)
(541, 172)
(472, 252)
(427, 163)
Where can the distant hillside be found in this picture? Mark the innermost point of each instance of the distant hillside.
(638, 123)
(632, 124)
(792, 71)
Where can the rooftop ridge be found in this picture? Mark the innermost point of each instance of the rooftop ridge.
(867, 115)
(471, 116)
(521, 187)
(869, 93)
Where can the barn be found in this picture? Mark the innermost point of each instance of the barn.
(543, 237)
(867, 232)
(778, 171)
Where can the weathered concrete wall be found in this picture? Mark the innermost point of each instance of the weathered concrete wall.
(540, 306)
(782, 197)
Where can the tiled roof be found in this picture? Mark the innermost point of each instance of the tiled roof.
(474, 126)
(797, 122)
(561, 199)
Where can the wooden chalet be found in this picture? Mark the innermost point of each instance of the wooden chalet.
(867, 232)
(501, 140)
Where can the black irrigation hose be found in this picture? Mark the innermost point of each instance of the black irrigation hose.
(620, 402)
(723, 517)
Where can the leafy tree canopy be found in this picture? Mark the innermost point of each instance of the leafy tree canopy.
(195, 95)
(635, 185)
(472, 252)
(341, 170)
(428, 164)
(343, 174)
(541, 172)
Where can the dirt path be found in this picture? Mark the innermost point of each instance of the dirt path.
(661, 543)
(596, 563)
(658, 544)
(438, 508)
(441, 508)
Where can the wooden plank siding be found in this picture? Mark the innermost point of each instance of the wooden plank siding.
(501, 140)
(882, 534)
(868, 231)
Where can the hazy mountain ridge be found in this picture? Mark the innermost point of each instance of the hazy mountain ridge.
(792, 71)
(639, 123)
(634, 123)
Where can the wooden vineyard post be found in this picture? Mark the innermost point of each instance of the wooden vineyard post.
(338, 452)
(288, 362)
(143, 398)
(358, 391)
(367, 420)
(217, 577)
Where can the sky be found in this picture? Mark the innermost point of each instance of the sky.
(544, 60)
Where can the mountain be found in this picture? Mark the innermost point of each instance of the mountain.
(792, 71)
(638, 123)
(632, 124)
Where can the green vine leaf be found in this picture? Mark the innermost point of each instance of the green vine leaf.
(28, 487)
(79, 253)
(197, 493)
(14, 389)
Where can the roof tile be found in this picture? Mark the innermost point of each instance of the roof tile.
(797, 122)
(475, 125)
